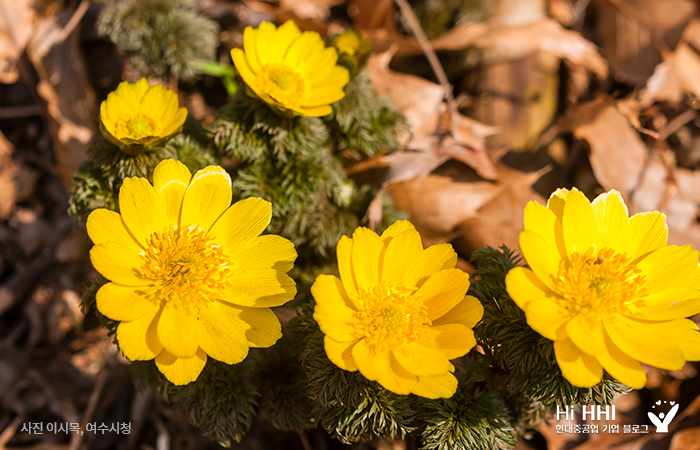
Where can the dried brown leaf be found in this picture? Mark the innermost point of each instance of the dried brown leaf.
(55, 54)
(316, 10)
(463, 205)
(499, 220)
(437, 204)
(635, 33)
(678, 74)
(617, 153)
(17, 21)
(518, 41)
(434, 137)
(8, 172)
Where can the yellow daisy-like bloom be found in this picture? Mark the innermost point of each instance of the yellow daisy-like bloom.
(292, 71)
(139, 117)
(190, 275)
(400, 313)
(606, 288)
(354, 49)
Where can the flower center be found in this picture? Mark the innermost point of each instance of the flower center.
(390, 317)
(603, 283)
(283, 84)
(136, 126)
(186, 268)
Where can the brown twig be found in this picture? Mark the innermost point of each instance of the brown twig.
(676, 124)
(100, 382)
(9, 432)
(429, 52)
(304, 441)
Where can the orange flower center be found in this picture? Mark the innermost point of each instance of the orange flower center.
(283, 84)
(390, 317)
(136, 126)
(603, 283)
(186, 267)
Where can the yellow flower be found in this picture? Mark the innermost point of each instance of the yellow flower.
(138, 117)
(606, 288)
(190, 274)
(290, 70)
(354, 49)
(400, 313)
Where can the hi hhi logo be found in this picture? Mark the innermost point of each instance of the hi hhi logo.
(663, 420)
(589, 412)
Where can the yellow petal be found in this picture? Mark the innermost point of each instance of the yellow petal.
(366, 247)
(240, 223)
(178, 331)
(542, 221)
(682, 333)
(266, 36)
(434, 259)
(347, 274)
(170, 180)
(334, 312)
(221, 333)
(547, 317)
(265, 252)
(250, 37)
(259, 288)
(671, 266)
(367, 361)
(118, 263)
(155, 100)
(671, 303)
(542, 258)
(402, 250)
(422, 361)
(142, 209)
(578, 223)
(125, 303)
(264, 327)
(639, 340)
(318, 65)
(324, 95)
(623, 368)
(443, 386)
(314, 111)
(587, 335)
(397, 379)
(132, 93)
(138, 339)
(443, 291)
(468, 312)
(340, 353)
(308, 43)
(578, 368)
(395, 229)
(523, 286)
(383, 368)
(337, 77)
(207, 197)
(286, 34)
(181, 371)
(174, 122)
(645, 233)
(452, 340)
(104, 225)
(245, 70)
(557, 201)
(611, 217)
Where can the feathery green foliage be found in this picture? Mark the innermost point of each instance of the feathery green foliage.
(161, 38)
(221, 402)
